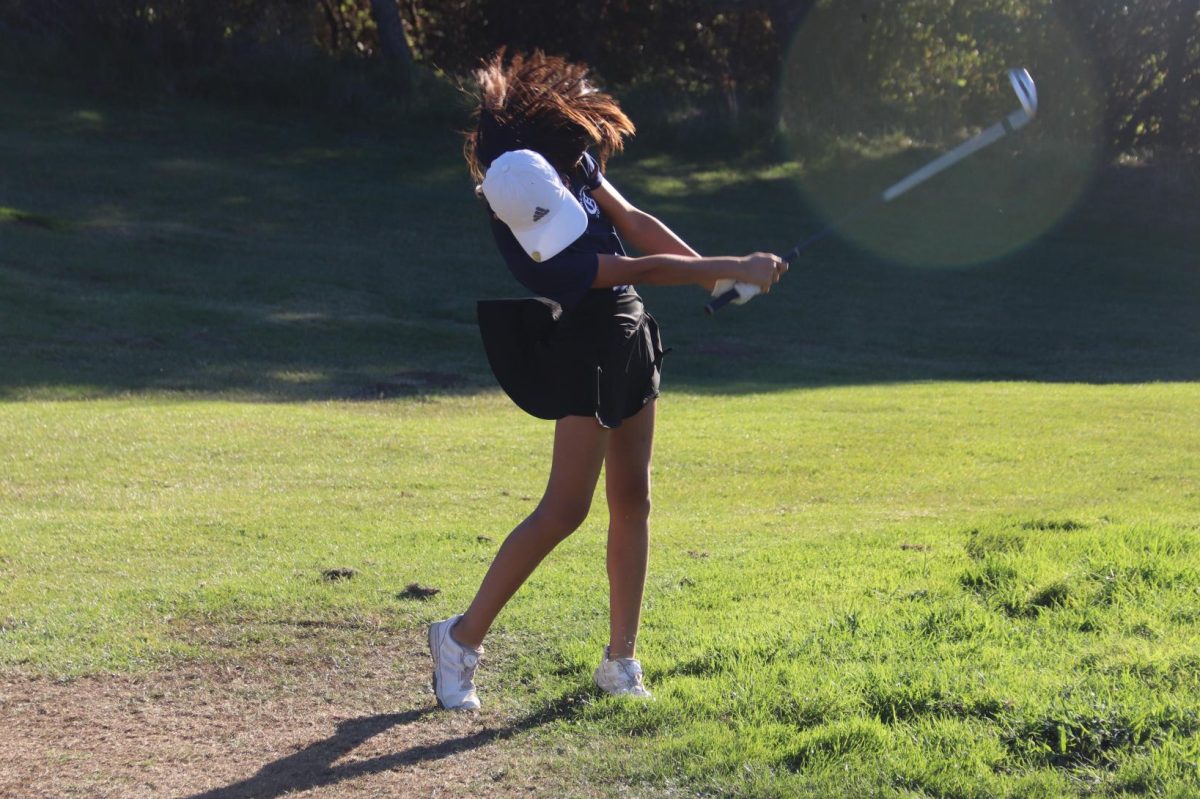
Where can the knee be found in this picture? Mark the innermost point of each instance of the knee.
(564, 518)
(630, 507)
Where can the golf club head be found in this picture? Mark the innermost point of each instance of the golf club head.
(1022, 83)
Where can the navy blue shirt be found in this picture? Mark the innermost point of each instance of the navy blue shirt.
(567, 277)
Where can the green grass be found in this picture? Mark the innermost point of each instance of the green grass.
(917, 532)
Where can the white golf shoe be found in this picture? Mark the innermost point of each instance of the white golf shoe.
(453, 668)
(621, 677)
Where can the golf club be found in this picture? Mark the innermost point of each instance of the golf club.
(1026, 92)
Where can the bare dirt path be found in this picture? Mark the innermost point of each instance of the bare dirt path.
(305, 720)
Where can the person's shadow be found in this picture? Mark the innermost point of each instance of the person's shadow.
(312, 767)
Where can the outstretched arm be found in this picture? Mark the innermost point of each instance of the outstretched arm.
(669, 261)
(762, 269)
(647, 234)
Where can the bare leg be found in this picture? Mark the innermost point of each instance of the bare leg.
(627, 484)
(579, 444)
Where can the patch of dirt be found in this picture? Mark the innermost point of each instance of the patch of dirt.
(307, 719)
(418, 591)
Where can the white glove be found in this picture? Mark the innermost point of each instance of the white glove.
(745, 290)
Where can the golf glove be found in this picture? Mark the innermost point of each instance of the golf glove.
(745, 290)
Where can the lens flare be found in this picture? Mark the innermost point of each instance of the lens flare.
(873, 91)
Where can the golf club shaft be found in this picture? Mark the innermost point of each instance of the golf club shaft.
(974, 144)
(1017, 119)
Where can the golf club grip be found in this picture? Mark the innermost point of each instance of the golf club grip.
(731, 295)
(720, 302)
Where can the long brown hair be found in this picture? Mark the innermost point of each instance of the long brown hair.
(546, 104)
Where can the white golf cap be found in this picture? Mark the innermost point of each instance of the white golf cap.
(526, 194)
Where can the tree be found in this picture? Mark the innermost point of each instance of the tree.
(712, 60)
(1176, 90)
(390, 29)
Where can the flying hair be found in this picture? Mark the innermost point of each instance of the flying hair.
(545, 104)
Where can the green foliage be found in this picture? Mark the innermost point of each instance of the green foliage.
(1124, 74)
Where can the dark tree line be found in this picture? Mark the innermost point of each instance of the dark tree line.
(1134, 63)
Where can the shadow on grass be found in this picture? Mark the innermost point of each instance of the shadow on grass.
(224, 258)
(1103, 287)
(313, 766)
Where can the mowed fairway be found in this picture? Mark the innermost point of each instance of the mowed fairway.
(916, 533)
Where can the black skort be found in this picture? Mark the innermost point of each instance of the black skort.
(602, 358)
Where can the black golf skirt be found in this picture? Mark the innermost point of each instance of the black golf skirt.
(602, 358)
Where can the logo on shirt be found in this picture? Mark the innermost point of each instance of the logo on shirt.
(539, 212)
(588, 203)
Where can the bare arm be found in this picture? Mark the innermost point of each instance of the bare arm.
(761, 269)
(669, 260)
(646, 233)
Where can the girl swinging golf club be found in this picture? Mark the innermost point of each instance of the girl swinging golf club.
(584, 352)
